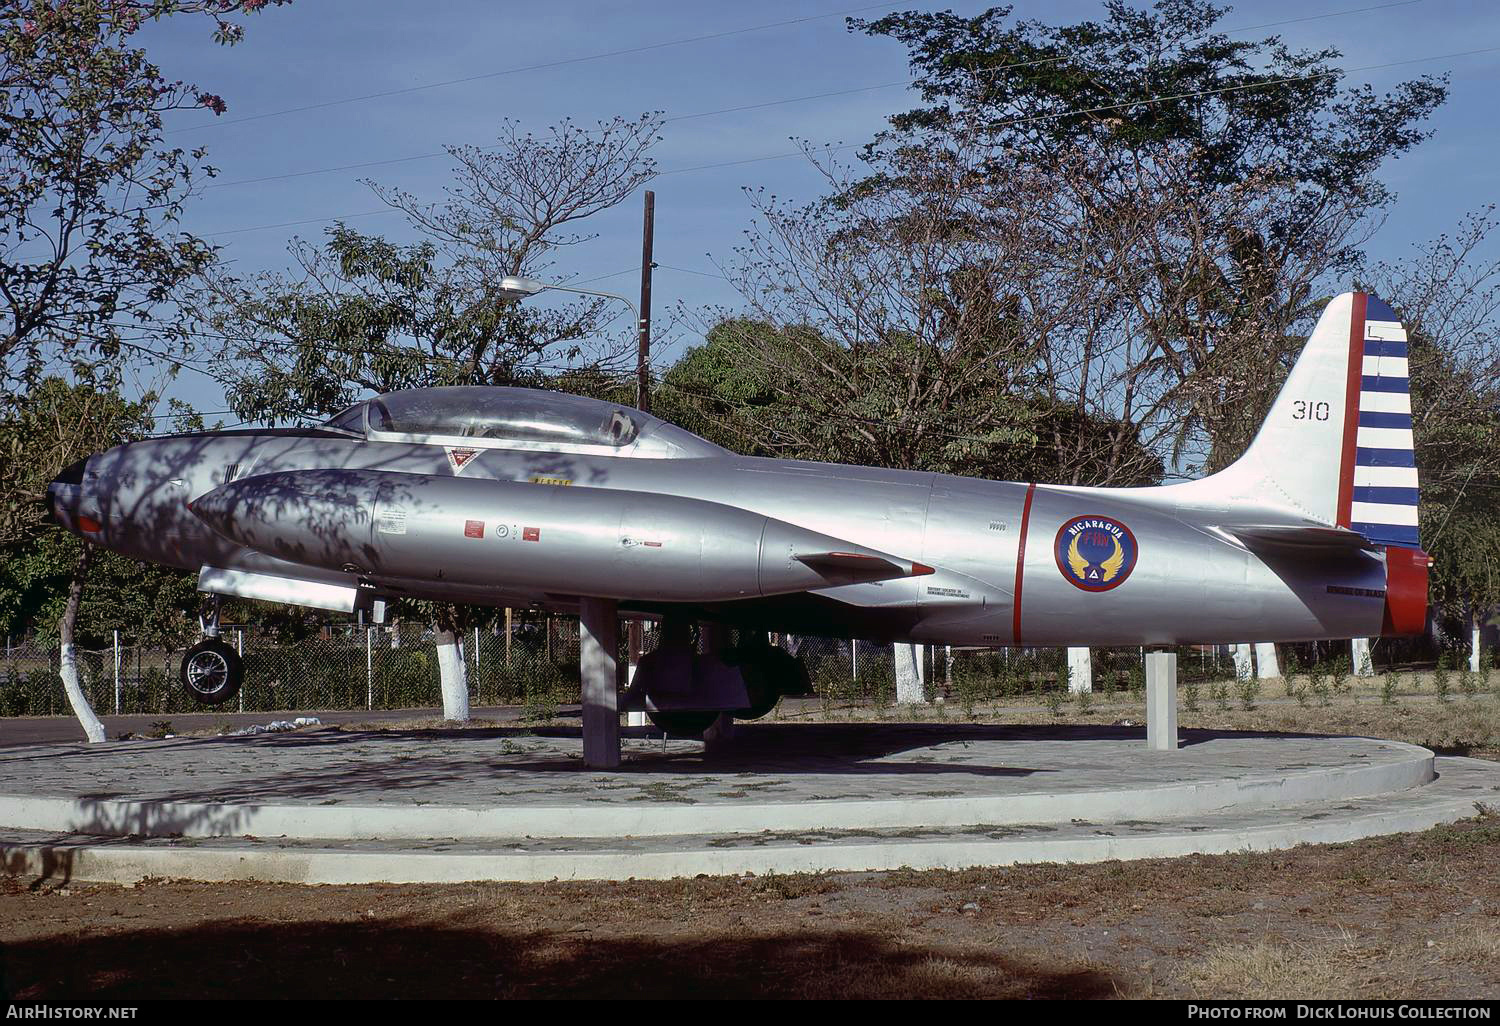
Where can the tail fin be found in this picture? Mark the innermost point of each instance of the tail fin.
(1337, 446)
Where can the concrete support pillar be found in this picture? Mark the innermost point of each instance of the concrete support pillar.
(1080, 670)
(1359, 657)
(1244, 667)
(1161, 701)
(1266, 666)
(910, 673)
(598, 643)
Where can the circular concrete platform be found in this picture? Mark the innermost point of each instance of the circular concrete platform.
(334, 806)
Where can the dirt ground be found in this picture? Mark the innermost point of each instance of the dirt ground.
(1409, 916)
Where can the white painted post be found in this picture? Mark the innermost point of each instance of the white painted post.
(1359, 657)
(854, 660)
(908, 659)
(476, 652)
(1080, 671)
(1266, 666)
(598, 641)
(370, 667)
(948, 665)
(1161, 701)
(239, 648)
(117, 673)
(1474, 636)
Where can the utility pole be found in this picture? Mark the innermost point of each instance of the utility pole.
(634, 629)
(643, 329)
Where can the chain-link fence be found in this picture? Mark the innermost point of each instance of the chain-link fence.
(533, 664)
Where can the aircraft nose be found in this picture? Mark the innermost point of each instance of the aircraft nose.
(65, 496)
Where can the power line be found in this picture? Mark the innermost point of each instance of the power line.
(563, 62)
(1104, 108)
(988, 72)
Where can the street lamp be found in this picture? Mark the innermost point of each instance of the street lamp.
(520, 288)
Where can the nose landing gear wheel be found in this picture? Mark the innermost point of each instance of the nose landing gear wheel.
(212, 672)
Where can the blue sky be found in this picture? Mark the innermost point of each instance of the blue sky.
(316, 51)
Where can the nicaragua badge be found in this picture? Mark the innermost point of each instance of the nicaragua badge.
(1095, 553)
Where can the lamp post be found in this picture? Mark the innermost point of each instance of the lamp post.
(520, 288)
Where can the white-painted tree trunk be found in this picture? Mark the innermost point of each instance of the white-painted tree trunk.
(68, 663)
(909, 674)
(1266, 666)
(76, 698)
(1244, 668)
(453, 676)
(1475, 632)
(1080, 670)
(1359, 657)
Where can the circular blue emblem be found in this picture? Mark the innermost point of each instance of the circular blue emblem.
(1095, 553)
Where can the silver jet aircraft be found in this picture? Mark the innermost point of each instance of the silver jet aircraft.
(522, 498)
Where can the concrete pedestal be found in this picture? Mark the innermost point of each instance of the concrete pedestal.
(598, 643)
(1161, 701)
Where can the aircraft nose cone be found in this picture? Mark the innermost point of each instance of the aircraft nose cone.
(65, 496)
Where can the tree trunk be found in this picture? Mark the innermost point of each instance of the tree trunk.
(909, 684)
(453, 675)
(69, 661)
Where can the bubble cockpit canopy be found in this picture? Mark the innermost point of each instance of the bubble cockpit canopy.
(498, 417)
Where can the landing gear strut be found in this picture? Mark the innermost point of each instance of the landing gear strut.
(212, 671)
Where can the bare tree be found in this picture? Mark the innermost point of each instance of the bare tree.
(361, 314)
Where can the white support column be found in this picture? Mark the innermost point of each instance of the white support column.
(1244, 667)
(1359, 657)
(1266, 666)
(908, 659)
(1080, 671)
(598, 641)
(1161, 701)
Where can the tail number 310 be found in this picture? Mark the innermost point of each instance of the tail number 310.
(1309, 411)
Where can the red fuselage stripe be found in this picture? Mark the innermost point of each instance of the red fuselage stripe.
(1021, 562)
(1351, 408)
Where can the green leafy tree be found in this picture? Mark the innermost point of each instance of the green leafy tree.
(1223, 185)
(1447, 294)
(90, 196)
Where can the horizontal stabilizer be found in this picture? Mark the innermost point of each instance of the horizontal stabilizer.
(864, 564)
(1283, 536)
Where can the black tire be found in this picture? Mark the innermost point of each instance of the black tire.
(762, 673)
(788, 672)
(212, 672)
(683, 722)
